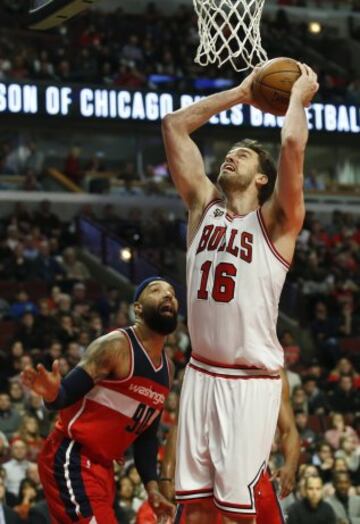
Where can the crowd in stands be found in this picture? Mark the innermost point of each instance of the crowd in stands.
(156, 51)
(57, 319)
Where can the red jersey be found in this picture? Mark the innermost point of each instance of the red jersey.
(115, 412)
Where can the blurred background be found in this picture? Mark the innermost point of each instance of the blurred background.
(88, 210)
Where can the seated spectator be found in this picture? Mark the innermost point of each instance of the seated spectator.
(46, 220)
(10, 419)
(18, 267)
(307, 436)
(72, 167)
(299, 399)
(338, 430)
(45, 266)
(17, 396)
(27, 332)
(74, 269)
(16, 467)
(169, 415)
(291, 348)
(349, 450)
(23, 304)
(9, 515)
(346, 507)
(343, 367)
(29, 432)
(312, 508)
(345, 399)
(35, 408)
(27, 497)
(317, 401)
(139, 489)
(324, 460)
(127, 501)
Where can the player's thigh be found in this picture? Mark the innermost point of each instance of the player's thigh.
(242, 432)
(194, 470)
(197, 513)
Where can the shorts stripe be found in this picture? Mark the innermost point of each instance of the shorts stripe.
(179, 513)
(67, 472)
(194, 494)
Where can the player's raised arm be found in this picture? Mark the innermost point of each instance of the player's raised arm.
(287, 202)
(107, 356)
(184, 158)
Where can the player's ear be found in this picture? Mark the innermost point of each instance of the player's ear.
(137, 309)
(261, 179)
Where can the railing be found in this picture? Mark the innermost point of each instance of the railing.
(111, 251)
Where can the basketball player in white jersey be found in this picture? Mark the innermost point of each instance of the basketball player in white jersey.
(241, 239)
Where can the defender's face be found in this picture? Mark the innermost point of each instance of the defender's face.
(240, 165)
(160, 296)
(158, 307)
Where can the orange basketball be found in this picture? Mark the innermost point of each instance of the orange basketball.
(272, 85)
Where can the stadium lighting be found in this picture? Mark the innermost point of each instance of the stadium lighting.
(314, 27)
(125, 254)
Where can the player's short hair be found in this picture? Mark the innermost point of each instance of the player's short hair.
(266, 164)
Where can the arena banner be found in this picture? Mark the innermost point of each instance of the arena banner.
(111, 104)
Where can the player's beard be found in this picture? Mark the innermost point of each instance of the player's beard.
(161, 323)
(229, 182)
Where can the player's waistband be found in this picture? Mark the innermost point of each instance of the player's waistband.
(217, 369)
(57, 437)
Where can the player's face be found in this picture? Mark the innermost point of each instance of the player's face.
(159, 307)
(238, 169)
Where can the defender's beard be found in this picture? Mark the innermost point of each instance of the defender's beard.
(161, 323)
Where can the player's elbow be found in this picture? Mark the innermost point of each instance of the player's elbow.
(293, 143)
(168, 123)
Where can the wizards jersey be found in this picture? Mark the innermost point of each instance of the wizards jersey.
(110, 417)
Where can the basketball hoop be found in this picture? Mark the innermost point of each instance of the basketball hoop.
(229, 31)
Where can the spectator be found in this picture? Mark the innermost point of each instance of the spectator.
(346, 507)
(17, 396)
(29, 432)
(27, 497)
(16, 467)
(35, 408)
(39, 513)
(307, 435)
(345, 398)
(7, 515)
(349, 450)
(46, 266)
(22, 305)
(324, 460)
(74, 269)
(72, 167)
(299, 400)
(338, 430)
(10, 419)
(317, 401)
(45, 219)
(312, 508)
(4, 448)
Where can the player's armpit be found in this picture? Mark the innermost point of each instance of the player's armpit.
(107, 357)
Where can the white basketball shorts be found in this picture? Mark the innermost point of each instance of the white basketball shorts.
(227, 423)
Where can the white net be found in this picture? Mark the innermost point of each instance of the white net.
(229, 31)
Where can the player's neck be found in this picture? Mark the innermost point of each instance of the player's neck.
(152, 342)
(241, 202)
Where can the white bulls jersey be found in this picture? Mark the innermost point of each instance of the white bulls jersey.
(234, 281)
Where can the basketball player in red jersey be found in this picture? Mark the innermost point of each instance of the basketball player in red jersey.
(268, 508)
(112, 399)
(241, 239)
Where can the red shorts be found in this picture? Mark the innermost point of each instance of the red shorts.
(76, 489)
(268, 510)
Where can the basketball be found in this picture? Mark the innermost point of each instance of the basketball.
(272, 85)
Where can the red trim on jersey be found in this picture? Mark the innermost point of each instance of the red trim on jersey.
(234, 215)
(211, 203)
(131, 362)
(220, 365)
(269, 242)
(156, 369)
(236, 377)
